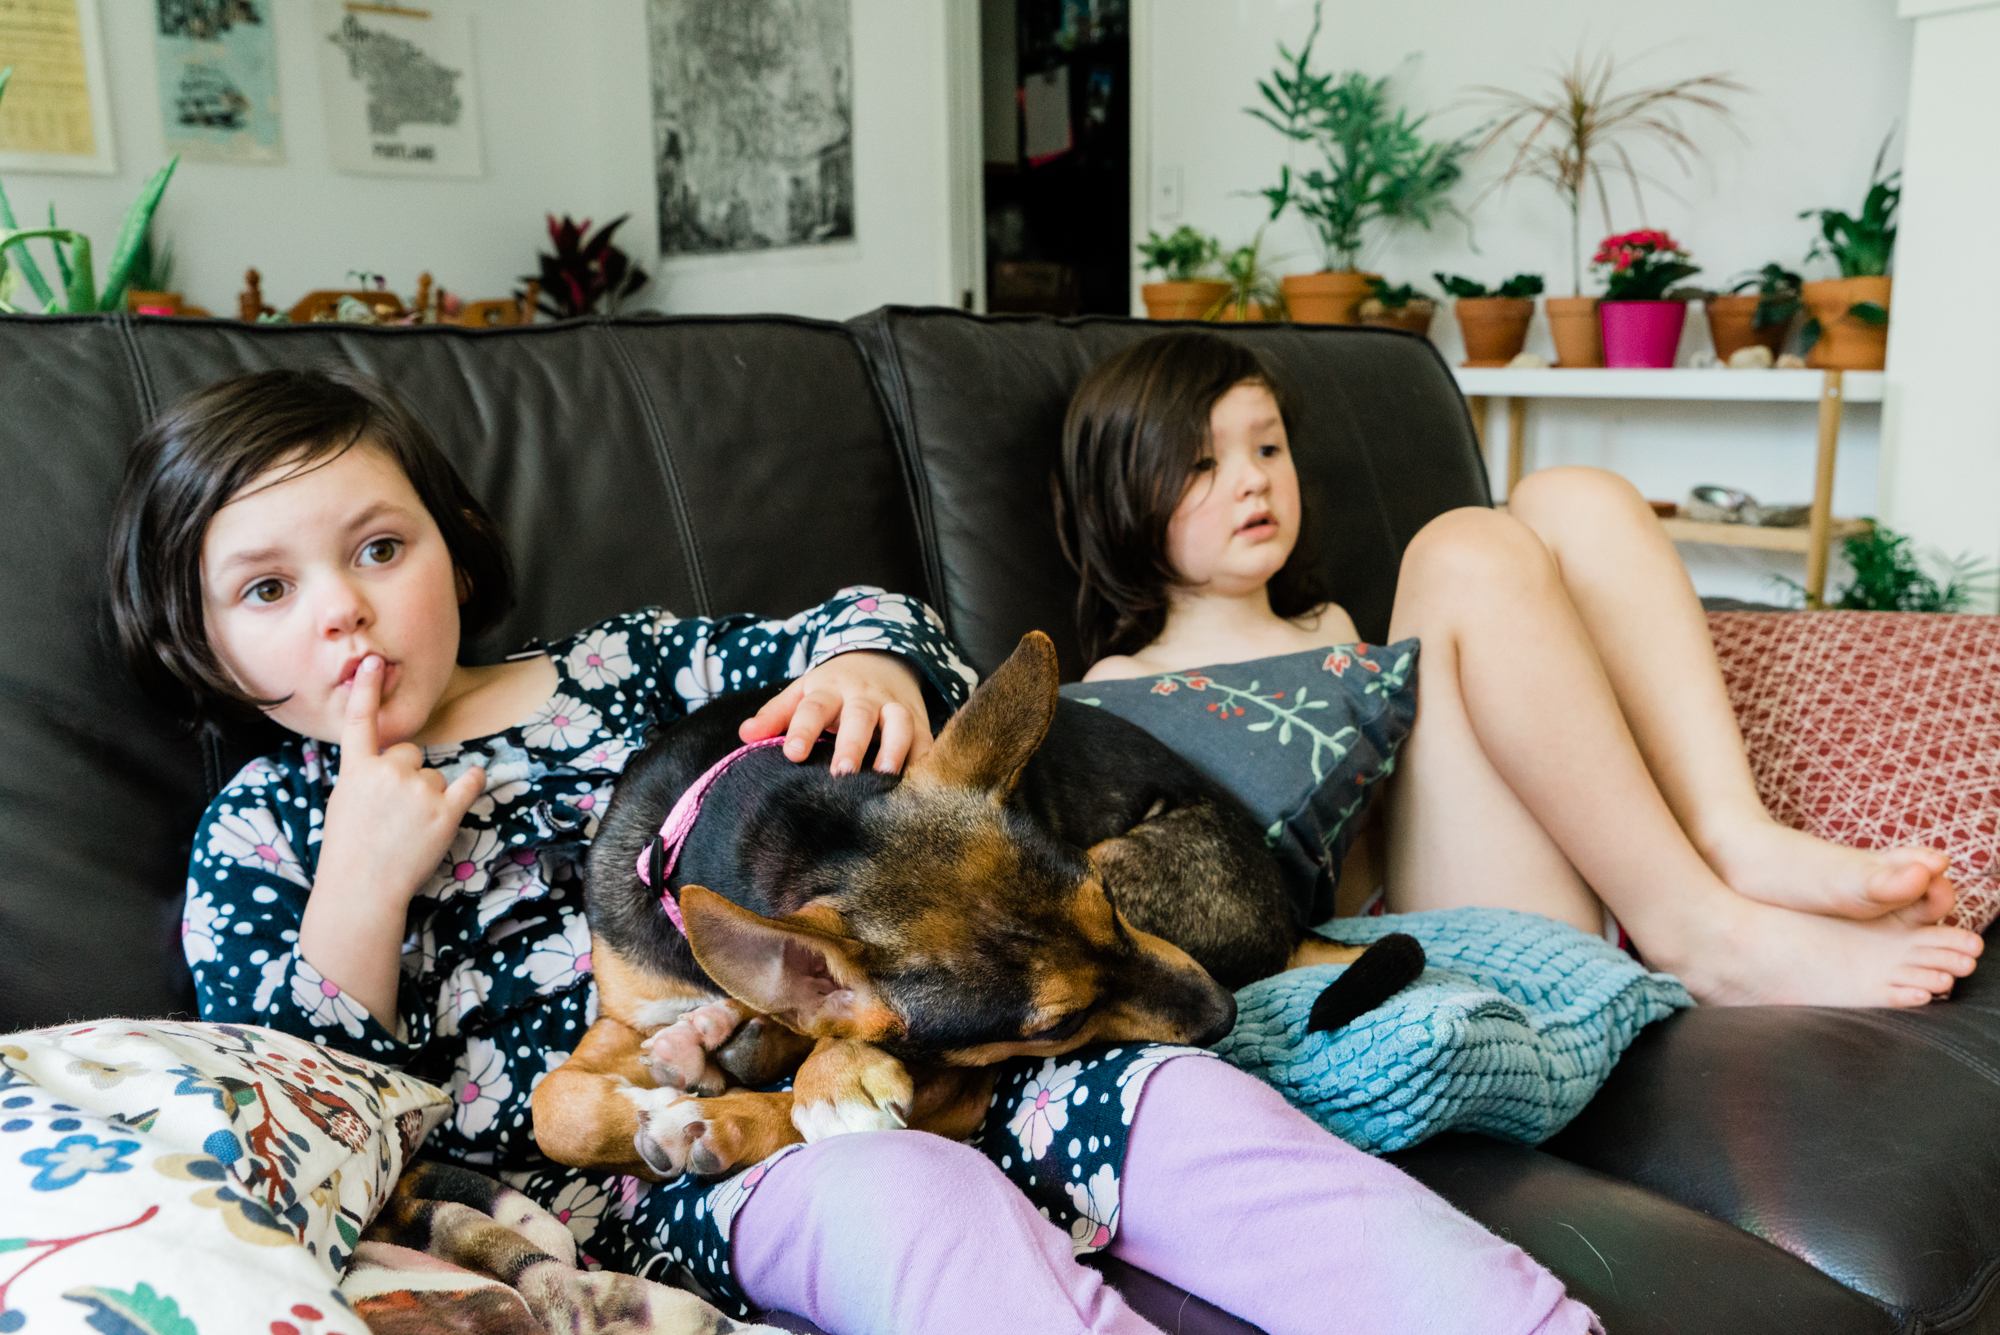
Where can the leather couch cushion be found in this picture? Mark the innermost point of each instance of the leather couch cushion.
(1861, 1141)
(707, 464)
(1383, 445)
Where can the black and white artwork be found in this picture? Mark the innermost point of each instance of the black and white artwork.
(753, 123)
(400, 94)
(217, 62)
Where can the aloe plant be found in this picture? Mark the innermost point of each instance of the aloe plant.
(75, 267)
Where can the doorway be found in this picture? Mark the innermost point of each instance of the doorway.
(1056, 125)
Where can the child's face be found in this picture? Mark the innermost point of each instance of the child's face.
(303, 574)
(1239, 517)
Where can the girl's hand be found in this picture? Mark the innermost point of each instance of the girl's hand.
(388, 825)
(858, 691)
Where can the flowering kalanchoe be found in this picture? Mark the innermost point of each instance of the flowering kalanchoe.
(1641, 266)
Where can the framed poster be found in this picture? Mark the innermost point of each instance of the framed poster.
(217, 63)
(753, 123)
(401, 98)
(56, 115)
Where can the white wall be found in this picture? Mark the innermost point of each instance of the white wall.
(1829, 77)
(1941, 447)
(564, 98)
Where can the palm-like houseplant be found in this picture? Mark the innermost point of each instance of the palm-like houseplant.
(1378, 170)
(1578, 135)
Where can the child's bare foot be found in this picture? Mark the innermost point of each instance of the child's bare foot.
(1792, 869)
(1754, 954)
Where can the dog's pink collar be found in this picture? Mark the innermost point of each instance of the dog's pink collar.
(657, 858)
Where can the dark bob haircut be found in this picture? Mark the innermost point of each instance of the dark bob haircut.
(211, 445)
(1135, 429)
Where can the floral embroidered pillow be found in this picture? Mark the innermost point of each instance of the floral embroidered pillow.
(1303, 740)
(185, 1168)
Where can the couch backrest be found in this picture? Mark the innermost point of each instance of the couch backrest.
(710, 464)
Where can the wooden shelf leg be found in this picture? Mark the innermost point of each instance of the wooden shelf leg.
(1517, 440)
(1821, 530)
(1476, 405)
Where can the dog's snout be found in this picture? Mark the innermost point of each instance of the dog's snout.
(1223, 1009)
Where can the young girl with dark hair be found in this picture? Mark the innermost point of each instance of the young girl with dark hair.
(1574, 752)
(400, 880)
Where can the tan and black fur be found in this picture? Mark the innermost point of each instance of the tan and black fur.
(891, 938)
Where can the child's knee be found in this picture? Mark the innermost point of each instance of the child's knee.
(882, 1184)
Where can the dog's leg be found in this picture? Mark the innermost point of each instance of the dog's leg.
(580, 1120)
(679, 1134)
(850, 1086)
(677, 1053)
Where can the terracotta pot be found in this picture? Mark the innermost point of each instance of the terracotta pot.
(1642, 333)
(1327, 297)
(1182, 301)
(1236, 314)
(1732, 324)
(1414, 318)
(1494, 328)
(1846, 344)
(1579, 337)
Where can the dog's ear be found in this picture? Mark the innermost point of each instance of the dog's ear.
(988, 742)
(806, 975)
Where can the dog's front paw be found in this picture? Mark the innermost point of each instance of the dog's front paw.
(708, 1137)
(677, 1056)
(847, 1086)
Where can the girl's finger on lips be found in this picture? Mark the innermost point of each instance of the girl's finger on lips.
(857, 728)
(897, 733)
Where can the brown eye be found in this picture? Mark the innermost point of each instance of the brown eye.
(265, 591)
(380, 552)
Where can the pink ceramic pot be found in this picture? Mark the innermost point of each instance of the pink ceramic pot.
(1641, 333)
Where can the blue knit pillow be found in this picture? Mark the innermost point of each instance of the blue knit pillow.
(1511, 1029)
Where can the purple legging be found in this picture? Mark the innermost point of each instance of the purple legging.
(1227, 1192)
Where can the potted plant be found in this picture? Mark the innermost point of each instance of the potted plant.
(1181, 257)
(1250, 290)
(1378, 171)
(587, 275)
(1848, 327)
(1758, 310)
(1642, 319)
(1577, 134)
(1493, 323)
(1399, 307)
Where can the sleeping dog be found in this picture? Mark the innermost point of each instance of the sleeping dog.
(887, 940)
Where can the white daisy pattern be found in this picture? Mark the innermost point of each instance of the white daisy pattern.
(600, 660)
(580, 1206)
(480, 1088)
(1132, 1080)
(250, 837)
(565, 723)
(200, 926)
(1044, 1106)
(467, 864)
(324, 1004)
(464, 992)
(1096, 1202)
(556, 962)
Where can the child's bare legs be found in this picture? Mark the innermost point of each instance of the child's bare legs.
(1640, 611)
(1522, 787)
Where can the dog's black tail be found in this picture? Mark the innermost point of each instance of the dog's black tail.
(1383, 970)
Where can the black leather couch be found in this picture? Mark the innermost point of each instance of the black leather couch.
(1745, 1170)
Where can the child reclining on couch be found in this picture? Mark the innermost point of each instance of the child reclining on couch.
(294, 544)
(1575, 753)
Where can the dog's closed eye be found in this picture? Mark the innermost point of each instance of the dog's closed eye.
(1067, 1028)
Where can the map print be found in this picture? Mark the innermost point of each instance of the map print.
(400, 88)
(405, 86)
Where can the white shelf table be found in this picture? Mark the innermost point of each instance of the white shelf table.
(1829, 389)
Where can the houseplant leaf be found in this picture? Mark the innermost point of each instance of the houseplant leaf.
(81, 294)
(133, 236)
(22, 260)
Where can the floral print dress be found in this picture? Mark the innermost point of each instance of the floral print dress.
(497, 987)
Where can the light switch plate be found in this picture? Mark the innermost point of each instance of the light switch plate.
(1166, 192)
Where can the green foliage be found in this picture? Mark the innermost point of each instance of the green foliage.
(1180, 256)
(1252, 282)
(1889, 577)
(1379, 170)
(1520, 285)
(80, 291)
(1397, 297)
(1778, 295)
(1861, 246)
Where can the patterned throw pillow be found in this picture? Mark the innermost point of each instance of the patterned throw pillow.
(173, 1177)
(1876, 729)
(1303, 740)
